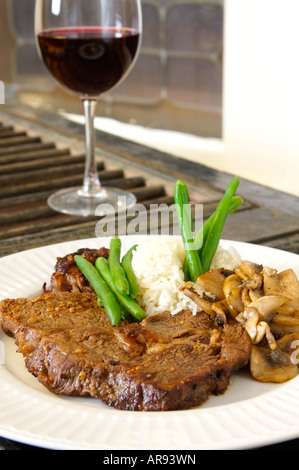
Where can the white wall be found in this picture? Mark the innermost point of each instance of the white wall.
(261, 91)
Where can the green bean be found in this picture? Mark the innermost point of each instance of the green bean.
(126, 263)
(107, 298)
(117, 271)
(126, 301)
(235, 203)
(215, 230)
(181, 199)
(123, 313)
(186, 271)
(200, 237)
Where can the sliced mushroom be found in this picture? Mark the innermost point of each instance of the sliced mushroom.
(221, 311)
(253, 272)
(284, 324)
(250, 295)
(256, 329)
(212, 281)
(232, 289)
(207, 300)
(245, 295)
(287, 310)
(255, 294)
(268, 305)
(289, 344)
(290, 287)
(271, 283)
(267, 365)
(190, 289)
(263, 330)
(249, 319)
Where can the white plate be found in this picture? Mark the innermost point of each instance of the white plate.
(250, 414)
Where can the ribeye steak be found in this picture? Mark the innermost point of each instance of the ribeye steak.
(166, 362)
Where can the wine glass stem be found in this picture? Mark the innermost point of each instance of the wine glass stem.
(91, 181)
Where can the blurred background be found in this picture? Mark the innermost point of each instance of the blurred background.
(216, 82)
(175, 84)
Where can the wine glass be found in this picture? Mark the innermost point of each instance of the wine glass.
(89, 46)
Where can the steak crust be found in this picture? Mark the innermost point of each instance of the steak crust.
(68, 277)
(166, 362)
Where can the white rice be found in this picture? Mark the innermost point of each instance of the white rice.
(157, 266)
(227, 258)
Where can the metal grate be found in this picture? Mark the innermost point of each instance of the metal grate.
(31, 169)
(41, 152)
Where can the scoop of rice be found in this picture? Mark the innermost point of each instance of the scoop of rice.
(227, 258)
(157, 266)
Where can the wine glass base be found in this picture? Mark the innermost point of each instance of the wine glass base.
(108, 201)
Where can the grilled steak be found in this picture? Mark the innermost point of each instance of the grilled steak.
(166, 362)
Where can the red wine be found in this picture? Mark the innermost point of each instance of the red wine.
(88, 61)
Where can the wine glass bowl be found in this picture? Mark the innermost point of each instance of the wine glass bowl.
(89, 47)
(74, 55)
